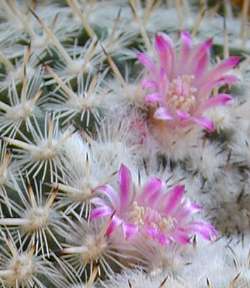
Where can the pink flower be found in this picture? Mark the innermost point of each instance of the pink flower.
(179, 86)
(163, 217)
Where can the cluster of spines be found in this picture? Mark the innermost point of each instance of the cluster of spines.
(39, 103)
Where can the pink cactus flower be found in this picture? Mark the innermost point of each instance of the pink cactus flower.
(163, 217)
(179, 87)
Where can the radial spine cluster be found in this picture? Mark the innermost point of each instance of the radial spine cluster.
(124, 149)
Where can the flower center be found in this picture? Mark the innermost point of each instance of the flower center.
(181, 93)
(147, 216)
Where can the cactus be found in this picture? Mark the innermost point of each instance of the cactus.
(124, 151)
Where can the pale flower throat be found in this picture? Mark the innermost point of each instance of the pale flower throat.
(145, 215)
(181, 93)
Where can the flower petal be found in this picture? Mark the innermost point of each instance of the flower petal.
(183, 115)
(125, 181)
(164, 47)
(150, 191)
(219, 99)
(114, 223)
(173, 198)
(111, 194)
(146, 61)
(220, 69)
(186, 44)
(98, 201)
(153, 97)
(149, 84)
(187, 209)
(209, 86)
(206, 230)
(162, 114)
(201, 58)
(192, 207)
(129, 230)
(157, 235)
(181, 237)
(100, 212)
(204, 122)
